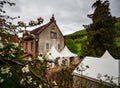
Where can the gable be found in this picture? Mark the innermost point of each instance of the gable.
(40, 29)
(45, 34)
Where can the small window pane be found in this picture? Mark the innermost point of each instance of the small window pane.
(53, 35)
(47, 46)
(58, 46)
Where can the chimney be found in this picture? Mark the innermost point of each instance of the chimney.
(52, 18)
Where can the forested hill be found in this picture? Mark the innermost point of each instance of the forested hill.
(74, 41)
(117, 28)
(77, 35)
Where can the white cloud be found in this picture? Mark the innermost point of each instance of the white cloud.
(70, 14)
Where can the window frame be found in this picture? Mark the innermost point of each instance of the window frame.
(53, 35)
(58, 45)
(47, 46)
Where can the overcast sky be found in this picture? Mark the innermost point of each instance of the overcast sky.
(70, 15)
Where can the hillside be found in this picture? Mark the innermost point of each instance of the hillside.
(74, 41)
(117, 28)
(77, 35)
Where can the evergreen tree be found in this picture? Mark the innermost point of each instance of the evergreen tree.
(101, 32)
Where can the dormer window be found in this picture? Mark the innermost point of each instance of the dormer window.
(53, 33)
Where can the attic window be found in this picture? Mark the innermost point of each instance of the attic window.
(53, 35)
(52, 30)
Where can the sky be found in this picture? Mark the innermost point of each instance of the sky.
(70, 15)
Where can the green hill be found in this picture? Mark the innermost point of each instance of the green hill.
(78, 34)
(74, 41)
(117, 28)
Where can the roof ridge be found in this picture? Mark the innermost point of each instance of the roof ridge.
(41, 28)
(36, 30)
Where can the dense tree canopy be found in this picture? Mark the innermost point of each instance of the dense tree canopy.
(101, 32)
(75, 41)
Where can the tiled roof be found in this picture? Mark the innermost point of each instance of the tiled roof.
(41, 28)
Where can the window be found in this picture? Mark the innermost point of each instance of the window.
(58, 46)
(53, 35)
(47, 46)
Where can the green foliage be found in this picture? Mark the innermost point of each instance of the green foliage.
(15, 72)
(11, 50)
(74, 41)
(82, 42)
(76, 35)
(70, 43)
(117, 28)
(101, 32)
(22, 74)
(117, 41)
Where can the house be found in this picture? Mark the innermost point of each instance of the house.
(40, 40)
(103, 72)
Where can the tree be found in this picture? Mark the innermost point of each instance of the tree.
(15, 72)
(117, 27)
(101, 31)
(71, 45)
